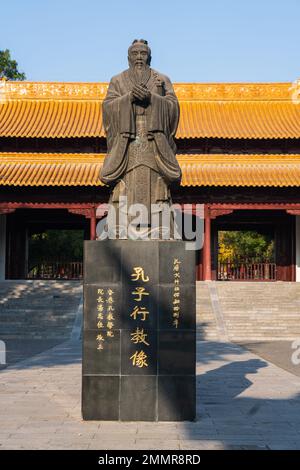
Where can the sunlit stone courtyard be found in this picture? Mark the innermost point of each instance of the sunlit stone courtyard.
(244, 402)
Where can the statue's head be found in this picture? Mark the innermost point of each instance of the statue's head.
(139, 54)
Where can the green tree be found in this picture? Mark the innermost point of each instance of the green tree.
(251, 245)
(9, 67)
(56, 246)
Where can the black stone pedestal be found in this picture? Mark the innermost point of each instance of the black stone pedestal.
(139, 345)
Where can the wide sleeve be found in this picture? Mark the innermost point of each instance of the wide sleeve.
(117, 114)
(119, 125)
(163, 124)
(165, 113)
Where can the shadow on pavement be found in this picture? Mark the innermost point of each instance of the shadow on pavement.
(230, 413)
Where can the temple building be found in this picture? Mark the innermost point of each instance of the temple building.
(238, 148)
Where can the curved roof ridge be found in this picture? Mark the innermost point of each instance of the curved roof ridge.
(184, 90)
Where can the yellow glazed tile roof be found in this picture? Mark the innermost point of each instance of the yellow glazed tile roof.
(32, 169)
(233, 110)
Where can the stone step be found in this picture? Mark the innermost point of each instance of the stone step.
(250, 310)
(38, 309)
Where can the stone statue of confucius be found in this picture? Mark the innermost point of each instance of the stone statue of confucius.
(140, 118)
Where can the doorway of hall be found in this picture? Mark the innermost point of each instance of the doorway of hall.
(246, 255)
(253, 245)
(55, 254)
(45, 244)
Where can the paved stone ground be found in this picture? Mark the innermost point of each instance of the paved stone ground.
(20, 349)
(278, 352)
(243, 402)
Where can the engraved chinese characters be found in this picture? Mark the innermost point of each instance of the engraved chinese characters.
(105, 315)
(176, 292)
(139, 358)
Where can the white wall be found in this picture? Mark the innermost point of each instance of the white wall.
(2, 245)
(298, 248)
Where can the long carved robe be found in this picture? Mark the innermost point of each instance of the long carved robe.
(141, 161)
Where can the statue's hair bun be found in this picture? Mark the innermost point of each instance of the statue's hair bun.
(143, 41)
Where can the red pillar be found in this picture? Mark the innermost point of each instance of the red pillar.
(207, 245)
(93, 224)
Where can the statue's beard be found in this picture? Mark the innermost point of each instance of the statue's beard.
(139, 74)
(139, 68)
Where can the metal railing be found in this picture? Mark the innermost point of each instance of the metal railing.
(246, 271)
(57, 270)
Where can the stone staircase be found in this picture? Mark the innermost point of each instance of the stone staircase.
(244, 311)
(206, 321)
(38, 309)
(234, 311)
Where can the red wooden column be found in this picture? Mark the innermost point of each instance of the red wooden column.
(207, 245)
(93, 222)
(88, 213)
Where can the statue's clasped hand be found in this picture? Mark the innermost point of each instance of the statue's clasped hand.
(140, 93)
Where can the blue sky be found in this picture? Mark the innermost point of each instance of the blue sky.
(191, 40)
